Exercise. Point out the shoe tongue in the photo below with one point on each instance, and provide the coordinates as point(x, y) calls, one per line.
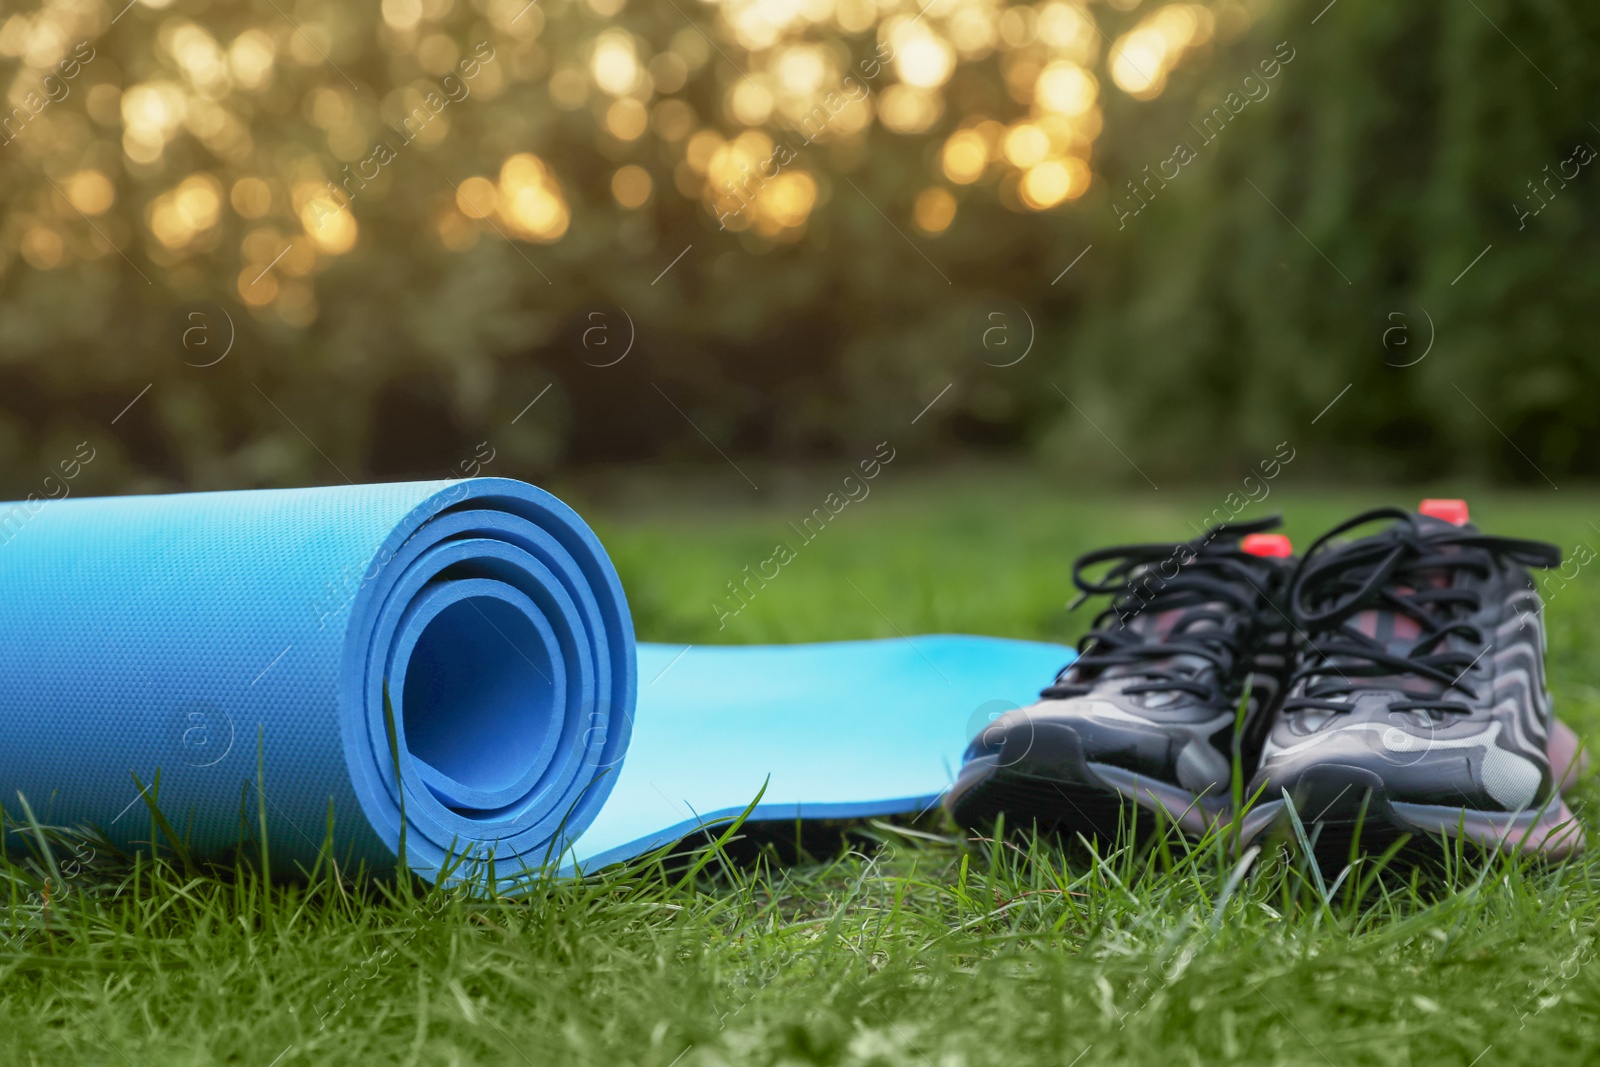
point(1162, 626)
point(1159, 627)
point(1397, 631)
point(1394, 631)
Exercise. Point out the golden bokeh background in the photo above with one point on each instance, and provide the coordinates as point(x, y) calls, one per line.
point(244, 141)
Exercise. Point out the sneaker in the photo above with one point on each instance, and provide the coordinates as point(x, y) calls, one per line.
point(1418, 704)
point(1147, 716)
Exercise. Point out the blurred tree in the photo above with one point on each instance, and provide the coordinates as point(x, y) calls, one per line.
point(1409, 214)
point(351, 240)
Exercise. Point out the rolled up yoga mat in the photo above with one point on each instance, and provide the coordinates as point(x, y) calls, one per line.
point(447, 667)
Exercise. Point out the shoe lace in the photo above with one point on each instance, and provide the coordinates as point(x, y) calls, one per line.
point(1408, 569)
point(1175, 633)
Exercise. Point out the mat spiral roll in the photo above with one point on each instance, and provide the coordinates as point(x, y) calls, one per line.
point(198, 633)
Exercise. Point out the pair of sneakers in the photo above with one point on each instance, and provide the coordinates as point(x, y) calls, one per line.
point(1381, 685)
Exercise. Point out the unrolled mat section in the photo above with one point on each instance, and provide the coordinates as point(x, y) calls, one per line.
point(447, 667)
point(841, 730)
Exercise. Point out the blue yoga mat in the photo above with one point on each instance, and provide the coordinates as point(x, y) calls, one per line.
point(230, 639)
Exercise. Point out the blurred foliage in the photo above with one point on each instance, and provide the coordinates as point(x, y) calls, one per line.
point(1147, 240)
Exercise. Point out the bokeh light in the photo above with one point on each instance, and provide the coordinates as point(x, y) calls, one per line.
point(1026, 144)
point(91, 192)
point(934, 210)
point(615, 63)
point(966, 154)
point(477, 197)
point(530, 199)
point(187, 212)
point(1142, 58)
point(631, 186)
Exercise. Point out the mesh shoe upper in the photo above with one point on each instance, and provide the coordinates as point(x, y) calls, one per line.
point(1157, 682)
point(1421, 668)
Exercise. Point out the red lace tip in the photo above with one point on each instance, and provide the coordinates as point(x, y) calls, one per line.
point(1452, 511)
point(1275, 546)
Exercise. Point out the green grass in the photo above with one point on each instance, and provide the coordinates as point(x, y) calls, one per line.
point(924, 949)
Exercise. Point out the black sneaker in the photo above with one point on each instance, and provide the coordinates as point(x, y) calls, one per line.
point(1145, 716)
point(1419, 704)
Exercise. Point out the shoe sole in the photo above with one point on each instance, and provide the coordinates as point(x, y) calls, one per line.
point(1044, 780)
point(1330, 805)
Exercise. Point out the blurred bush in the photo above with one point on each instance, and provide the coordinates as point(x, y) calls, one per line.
point(1146, 241)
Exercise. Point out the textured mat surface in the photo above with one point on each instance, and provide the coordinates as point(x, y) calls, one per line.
point(226, 638)
point(837, 730)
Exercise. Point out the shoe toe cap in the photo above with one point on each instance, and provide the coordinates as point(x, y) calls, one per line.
point(1100, 731)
